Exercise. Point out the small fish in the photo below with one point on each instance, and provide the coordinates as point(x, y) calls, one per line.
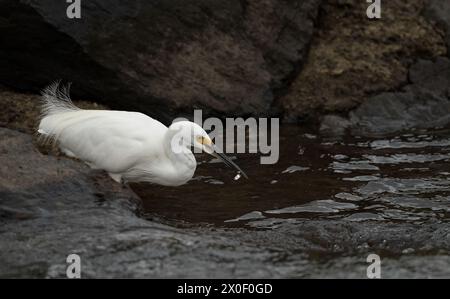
point(238, 176)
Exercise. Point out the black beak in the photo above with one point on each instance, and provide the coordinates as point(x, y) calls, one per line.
point(225, 159)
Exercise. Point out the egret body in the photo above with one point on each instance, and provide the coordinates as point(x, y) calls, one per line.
point(130, 146)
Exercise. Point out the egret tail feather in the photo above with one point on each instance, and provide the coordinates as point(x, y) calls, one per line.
point(56, 99)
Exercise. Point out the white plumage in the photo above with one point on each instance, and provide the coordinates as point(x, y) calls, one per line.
point(130, 146)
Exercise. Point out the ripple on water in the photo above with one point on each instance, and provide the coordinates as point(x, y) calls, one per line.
point(348, 196)
point(318, 206)
point(398, 143)
point(364, 216)
point(214, 182)
point(433, 204)
point(353, 165)
point(249, 216)
point(362, 178)
point(271, 223)
point(406, 158)
point(294, 168)
point(397, 185)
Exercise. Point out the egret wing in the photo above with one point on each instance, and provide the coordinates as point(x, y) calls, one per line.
point(111, 140)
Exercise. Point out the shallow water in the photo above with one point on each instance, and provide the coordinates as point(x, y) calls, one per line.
point(402, 178)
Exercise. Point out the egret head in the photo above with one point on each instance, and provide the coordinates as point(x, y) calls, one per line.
point(190, 134)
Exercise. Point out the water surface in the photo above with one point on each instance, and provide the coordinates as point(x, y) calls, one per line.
point(400, 178)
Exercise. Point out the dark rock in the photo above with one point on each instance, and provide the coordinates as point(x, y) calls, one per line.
point(439, 11)
point(333, 125)
point(388, 113)
point(425, 103)
point(431, 76)
point(156, 56)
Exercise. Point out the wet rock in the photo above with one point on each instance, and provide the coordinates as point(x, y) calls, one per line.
point(333, 125)
point(425, 103)
point(388, 113)
point(159, 57)
point(363, 217)
point(439, 11)
point(393, 268)
point(351, 240)
point(430, 76)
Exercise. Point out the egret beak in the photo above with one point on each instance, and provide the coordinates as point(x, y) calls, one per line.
point(225, 159)
point(210, 148)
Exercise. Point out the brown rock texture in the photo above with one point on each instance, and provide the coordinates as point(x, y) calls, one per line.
point(353, 57)
point(21, 111)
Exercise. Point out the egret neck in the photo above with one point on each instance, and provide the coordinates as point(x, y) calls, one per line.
point(178, 152)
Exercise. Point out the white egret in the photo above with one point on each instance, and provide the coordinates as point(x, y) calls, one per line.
point(130, 146)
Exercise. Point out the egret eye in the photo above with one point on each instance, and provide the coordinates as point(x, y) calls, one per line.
point(199, 139)
point(203, 140)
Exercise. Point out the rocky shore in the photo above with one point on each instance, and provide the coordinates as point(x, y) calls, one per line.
point(52, 207)
point(318, 62)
